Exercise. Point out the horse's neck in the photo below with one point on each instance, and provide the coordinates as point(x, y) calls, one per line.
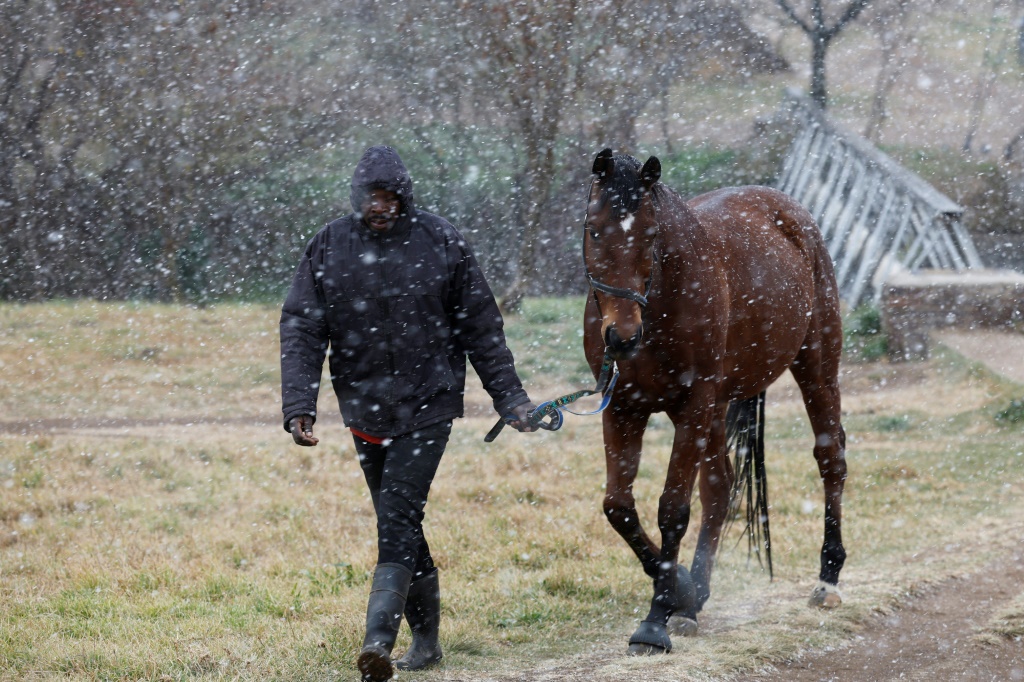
point(682, 244)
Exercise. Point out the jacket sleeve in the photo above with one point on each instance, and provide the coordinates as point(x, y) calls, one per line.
point(478, 329)
point(304, 337)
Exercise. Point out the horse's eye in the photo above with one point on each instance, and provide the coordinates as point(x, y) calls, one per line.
point(593, 233)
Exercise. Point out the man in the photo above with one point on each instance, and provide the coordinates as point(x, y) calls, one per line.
point(398, 297)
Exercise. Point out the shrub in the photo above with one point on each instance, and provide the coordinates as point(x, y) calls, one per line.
point(863, 339)
point(1012, 413)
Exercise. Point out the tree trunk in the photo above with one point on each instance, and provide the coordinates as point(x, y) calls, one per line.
point(821, 34)
point(888, 74)
point(538, 102)
point(534, 199)
point(1011, 146)
point(819, 92)
point(986, 79)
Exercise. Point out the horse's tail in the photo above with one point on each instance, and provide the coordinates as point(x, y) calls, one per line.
point(745, 431)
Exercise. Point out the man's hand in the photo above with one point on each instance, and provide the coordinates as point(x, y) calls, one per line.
point(522, 417)
point(302, 430)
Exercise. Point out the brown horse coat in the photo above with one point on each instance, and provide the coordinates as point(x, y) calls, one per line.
point(739, 288)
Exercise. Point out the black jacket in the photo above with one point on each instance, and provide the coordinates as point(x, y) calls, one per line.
point(400, 312)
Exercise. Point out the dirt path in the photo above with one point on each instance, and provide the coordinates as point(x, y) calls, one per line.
point(931, 637)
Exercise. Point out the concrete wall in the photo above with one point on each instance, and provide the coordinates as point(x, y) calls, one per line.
point(912, 305)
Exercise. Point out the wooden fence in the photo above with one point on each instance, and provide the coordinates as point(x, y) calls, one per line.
point(877, 217)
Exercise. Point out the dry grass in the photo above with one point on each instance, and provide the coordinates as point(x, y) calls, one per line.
point(177, 534)
point(91, 361)
point(1008, 622)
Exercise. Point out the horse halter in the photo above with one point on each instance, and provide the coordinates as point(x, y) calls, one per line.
point(616, 291)
point(597, 285)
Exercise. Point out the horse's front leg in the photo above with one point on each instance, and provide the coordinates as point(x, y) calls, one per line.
point(623, 440)
point(673, 589)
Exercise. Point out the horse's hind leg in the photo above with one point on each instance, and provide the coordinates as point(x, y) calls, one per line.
point(816, 372)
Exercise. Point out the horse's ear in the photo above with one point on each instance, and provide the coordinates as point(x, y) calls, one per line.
point(650, 173)
point(603, 163)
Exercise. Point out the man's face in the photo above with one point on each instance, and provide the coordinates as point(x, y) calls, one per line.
point(380, 209)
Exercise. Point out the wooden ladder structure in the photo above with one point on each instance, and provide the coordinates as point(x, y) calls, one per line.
point(877, 217)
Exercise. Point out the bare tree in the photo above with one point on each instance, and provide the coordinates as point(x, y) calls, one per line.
point(997, 45)
point(524, 66)
point(632, 54)
point(48, 72)
point(813, 21)
point(124, 130)
point(153, 152)
point(628, 56)
point(895, 28)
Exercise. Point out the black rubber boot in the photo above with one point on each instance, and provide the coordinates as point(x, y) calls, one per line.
point(383, 616)
point(423, 613)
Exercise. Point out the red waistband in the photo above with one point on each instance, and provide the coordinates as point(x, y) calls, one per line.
point(367, 437)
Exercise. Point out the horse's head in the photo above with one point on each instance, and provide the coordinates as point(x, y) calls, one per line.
point(618, 245)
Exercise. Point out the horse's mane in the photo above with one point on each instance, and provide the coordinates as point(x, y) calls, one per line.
point(623, 190)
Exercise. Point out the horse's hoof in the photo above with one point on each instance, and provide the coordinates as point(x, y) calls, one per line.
point(686, 594)
point(681, 626)
point(650, 638)
point(645, 650)
point(825, 596)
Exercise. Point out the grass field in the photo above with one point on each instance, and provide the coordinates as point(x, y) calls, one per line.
point(157, 523)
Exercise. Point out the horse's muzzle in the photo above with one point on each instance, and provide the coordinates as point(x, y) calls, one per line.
point(620, 348)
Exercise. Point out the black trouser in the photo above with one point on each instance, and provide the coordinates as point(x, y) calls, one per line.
point(399, 473)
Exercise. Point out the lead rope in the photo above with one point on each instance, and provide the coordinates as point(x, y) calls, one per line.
point(552, 409)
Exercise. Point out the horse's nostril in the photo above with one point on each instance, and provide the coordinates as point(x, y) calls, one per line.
point(620, 345)
point(612, 338)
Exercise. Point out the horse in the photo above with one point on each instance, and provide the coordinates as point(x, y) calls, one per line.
point(702, 304)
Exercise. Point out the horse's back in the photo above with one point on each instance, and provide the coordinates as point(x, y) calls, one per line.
point(769, 250)
point(741, 218)
point(764, 241)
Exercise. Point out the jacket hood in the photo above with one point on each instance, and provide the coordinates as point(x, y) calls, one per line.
point(381, 168)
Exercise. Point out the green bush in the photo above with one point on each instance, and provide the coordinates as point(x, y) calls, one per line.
point(693, 171)
point(863, 339)
point(1012, 413)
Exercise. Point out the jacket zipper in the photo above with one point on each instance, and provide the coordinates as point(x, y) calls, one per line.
point(387, 326)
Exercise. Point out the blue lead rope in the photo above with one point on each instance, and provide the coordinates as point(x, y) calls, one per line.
point(552, 409)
